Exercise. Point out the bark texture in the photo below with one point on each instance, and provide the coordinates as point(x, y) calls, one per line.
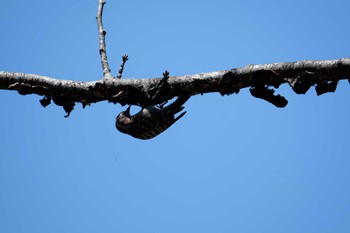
point(261, 79)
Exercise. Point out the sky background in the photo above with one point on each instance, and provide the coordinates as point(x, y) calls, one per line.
point(231, 164)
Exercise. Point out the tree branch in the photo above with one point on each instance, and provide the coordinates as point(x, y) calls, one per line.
point(102, 44)
point(260, 79)
point(125, 58)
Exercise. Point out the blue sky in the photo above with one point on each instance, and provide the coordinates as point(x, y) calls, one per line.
point(231, 164)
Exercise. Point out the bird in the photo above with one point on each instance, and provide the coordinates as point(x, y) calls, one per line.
point(150, 121)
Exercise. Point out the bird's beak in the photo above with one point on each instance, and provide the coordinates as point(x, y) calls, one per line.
point(128, 110)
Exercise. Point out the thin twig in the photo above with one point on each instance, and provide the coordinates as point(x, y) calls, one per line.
point(121, 69)
point(102, 44)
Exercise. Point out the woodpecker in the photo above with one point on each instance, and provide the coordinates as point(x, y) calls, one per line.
point(151, 120)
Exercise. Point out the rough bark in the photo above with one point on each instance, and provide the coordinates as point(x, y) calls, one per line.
point(261, 79)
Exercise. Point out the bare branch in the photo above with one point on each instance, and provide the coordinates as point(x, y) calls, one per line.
point(299, 75)
point(102, 44)
point(121, 69)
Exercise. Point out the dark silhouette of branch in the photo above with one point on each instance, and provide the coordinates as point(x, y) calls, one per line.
point(262, 80)
point(299, 75)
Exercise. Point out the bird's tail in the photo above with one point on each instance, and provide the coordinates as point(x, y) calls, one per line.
point(176, 106)
point(179, 116)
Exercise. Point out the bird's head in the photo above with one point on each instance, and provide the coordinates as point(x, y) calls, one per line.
point(123, 121)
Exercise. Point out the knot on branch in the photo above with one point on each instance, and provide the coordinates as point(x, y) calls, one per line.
point(45, 101)
point(323, 87)
point(229, 84)
point(302, 82)
point(327, 83)
point(65, 101)
point(261, 80)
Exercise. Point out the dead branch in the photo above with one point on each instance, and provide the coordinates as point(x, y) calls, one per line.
point(102, 44)
point(300, 75)
point(262, 81)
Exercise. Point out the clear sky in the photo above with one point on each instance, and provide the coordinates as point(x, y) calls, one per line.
point(231, 164)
